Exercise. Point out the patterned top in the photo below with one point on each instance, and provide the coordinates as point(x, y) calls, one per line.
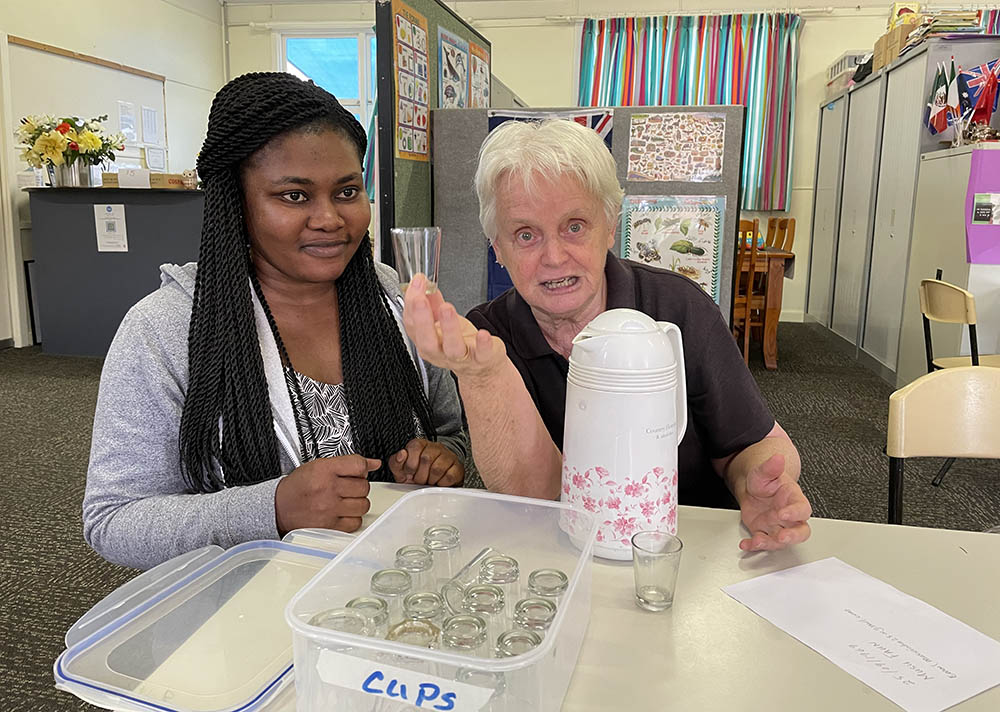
point(326, 404)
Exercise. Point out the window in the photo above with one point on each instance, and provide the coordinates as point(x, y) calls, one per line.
point(342, 63)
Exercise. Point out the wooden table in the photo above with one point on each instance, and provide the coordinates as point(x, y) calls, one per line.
point(710, 653)
point(771, 261)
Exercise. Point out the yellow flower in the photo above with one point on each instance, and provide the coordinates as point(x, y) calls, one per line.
point(50, 147)
point(31, 158)
point(88, 142)
point(71, 135)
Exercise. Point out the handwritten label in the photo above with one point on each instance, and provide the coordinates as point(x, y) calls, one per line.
point(419, 689)
point(917, 656)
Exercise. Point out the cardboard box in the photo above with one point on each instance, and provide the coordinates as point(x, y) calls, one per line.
point(172, 181)
point(897, 40)
point(878, 58)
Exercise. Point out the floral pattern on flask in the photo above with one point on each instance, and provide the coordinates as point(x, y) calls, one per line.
point(634, 503)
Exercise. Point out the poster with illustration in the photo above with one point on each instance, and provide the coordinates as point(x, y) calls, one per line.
point(453, 71)
point(410, 73)
point(682, 233)
point(674, 146)
point(479, 97)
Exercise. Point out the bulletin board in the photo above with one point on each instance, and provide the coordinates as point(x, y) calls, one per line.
point(427, 57)
point(696, 197)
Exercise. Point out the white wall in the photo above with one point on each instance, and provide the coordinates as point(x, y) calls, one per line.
point(179, 39)
point(536, 49)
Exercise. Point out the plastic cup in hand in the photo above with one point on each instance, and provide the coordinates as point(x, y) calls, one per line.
point(417, 249)
point(656, 558)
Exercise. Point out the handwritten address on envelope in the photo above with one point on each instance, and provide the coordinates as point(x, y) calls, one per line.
point(912, 653)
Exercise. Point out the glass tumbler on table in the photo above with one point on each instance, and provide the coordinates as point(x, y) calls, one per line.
point(656, 558)
point(417, 249)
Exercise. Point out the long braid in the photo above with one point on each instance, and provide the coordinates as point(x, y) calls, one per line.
point(227, 419)
point(371, 343)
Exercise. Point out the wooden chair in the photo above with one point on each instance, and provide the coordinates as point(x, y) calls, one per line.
point(948, 413)
point(781, 233)
point(749, 302)
point(947, 303)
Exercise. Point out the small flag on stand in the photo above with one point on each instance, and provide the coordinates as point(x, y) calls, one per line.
point(936, 114)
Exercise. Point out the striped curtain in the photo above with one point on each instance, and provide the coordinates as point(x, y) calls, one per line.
point(748, 59)
point(990, 21)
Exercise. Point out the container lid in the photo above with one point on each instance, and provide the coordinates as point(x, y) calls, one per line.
point(204, 632)
point(624, 340)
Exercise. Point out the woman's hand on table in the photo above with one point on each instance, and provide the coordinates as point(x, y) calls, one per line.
point(423, 462)
point(446, 339)
point(328, 493)
point(773, 507)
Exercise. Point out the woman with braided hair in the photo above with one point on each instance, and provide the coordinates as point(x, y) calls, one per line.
point(260, 390)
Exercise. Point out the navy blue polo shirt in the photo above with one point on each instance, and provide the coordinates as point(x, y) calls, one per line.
point(726, 411)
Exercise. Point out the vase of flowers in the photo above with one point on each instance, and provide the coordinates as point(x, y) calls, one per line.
point(67, 146)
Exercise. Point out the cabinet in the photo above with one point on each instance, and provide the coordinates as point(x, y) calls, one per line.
point(865, 197)
point(861, 160)
point(826, 209)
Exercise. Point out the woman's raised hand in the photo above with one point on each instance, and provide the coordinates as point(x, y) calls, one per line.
point(446, 339)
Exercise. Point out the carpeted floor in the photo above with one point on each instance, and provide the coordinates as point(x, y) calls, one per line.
point(834, 410)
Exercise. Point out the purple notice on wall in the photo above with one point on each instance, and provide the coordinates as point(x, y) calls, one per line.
point(982, 208)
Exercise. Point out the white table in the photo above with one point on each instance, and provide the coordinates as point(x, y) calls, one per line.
point(711, 653)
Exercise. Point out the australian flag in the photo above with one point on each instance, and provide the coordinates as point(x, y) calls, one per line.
point(976, 80)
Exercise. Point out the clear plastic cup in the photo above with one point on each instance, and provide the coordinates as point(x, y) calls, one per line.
point(445, 543)
point(377, 611)
point(487, 601)
point(516, 642)
point(465, 634)
point(424, 606)
point(503, 571)
point(392, 585)
point(344, 620)
point(550, 584)
point(535, 615)
point(422, 634)
point(418, 562)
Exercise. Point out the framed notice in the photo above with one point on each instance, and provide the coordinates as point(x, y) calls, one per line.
point(410, 73)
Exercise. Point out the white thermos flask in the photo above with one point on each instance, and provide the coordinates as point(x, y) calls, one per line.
point(626, 412)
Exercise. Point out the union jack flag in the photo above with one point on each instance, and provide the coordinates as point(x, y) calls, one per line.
point(601, 121)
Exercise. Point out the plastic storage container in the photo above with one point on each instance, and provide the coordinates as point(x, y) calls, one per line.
point(203, 632)
point(340, 671)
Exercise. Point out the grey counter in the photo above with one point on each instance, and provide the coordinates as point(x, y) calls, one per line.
point(81, 294)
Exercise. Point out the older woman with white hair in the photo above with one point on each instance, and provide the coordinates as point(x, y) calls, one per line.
point(549, 202)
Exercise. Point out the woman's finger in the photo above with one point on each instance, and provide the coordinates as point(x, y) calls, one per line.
point(453, 342)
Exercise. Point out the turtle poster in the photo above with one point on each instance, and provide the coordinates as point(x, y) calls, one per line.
point(681, 233)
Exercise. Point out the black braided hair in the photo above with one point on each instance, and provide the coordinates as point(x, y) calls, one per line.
point(226, 419)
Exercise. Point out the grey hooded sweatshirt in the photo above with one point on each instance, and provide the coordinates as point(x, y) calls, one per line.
point(137, 510)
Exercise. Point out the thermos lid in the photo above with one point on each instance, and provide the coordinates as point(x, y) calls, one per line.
point(623, 340)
